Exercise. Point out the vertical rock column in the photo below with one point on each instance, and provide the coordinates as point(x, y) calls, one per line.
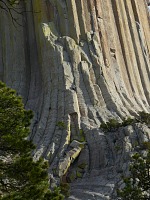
point(77, 63)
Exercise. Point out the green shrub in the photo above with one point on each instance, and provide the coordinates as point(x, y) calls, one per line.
point(117, 148)
point(61, 125)
point(128, 121)
point(112, 125)
point(146, 145)
point(144, 117)
point(65, 189)
point(137, 184)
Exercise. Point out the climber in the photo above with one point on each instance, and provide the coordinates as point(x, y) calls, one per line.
point(149, 7)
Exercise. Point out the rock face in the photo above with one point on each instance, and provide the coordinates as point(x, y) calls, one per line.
point(78, 63)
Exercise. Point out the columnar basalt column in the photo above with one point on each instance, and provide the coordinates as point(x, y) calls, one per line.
point(78, 63)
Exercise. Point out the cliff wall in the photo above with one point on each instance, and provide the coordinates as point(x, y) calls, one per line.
point(78, 63)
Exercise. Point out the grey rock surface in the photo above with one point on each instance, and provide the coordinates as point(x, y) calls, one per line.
point(78, 63)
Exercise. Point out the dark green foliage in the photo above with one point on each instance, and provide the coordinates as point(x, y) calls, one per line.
point(144, 117)
point(20, 177)
point(14, 123)
point(145, 145)
point(61, 125)
point(137, 185)
point(65, 189)
point(128, 121)
point(55, 195)
point(112, 125)
point(28, 178)
point(117, 148)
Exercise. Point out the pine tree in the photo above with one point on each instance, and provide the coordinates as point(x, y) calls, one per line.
point(21, 178)
point(137, 184)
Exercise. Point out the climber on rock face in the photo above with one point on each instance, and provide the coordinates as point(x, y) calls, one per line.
point(149, 7)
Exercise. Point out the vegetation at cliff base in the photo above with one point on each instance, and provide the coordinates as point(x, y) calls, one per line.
point(137, 184)
point(21, 178)
point(113, 124)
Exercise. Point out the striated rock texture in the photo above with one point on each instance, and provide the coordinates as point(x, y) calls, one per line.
point(77, 63)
